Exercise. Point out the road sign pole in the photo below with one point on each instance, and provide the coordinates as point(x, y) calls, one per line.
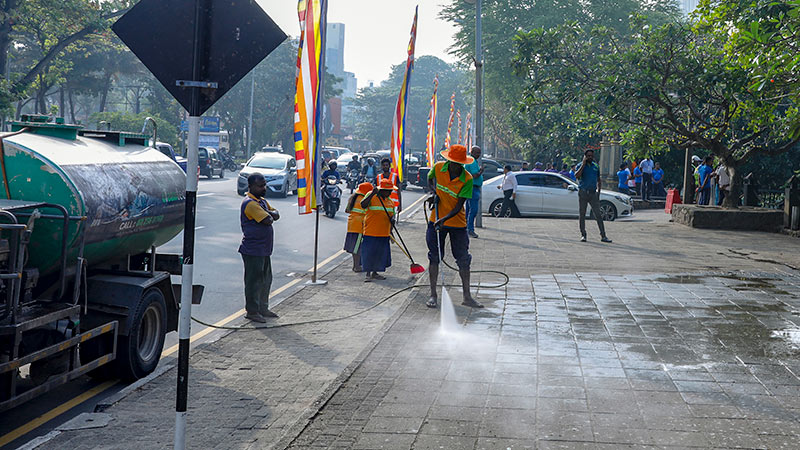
point(187, 275)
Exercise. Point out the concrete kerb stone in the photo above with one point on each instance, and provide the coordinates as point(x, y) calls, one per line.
point(308, 415)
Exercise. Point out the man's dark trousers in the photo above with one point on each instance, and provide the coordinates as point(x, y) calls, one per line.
point(508, 202)
point(257, 283)
point(647, 186)
point(590, 198)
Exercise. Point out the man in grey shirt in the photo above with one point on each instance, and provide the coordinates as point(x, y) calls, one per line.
point(647, 178)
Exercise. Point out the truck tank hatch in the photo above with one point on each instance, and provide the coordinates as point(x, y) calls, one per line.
point(120, 138)
point(46, 126)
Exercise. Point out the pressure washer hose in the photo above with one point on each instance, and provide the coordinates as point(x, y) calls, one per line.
point(394, 294)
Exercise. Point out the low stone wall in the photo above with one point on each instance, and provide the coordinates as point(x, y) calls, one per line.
point(742, 218)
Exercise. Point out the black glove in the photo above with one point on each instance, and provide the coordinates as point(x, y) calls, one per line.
point(433, 199)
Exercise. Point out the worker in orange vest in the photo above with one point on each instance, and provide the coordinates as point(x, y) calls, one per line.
point(355, 224)
point(387, 174)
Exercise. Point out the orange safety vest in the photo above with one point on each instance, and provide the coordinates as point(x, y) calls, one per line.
point(395, 196)
point(355, 222)
point(376, 219)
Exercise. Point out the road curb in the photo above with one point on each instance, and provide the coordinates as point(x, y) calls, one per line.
point(312, 411)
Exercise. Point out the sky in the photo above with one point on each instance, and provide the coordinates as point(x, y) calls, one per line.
point(376, 32)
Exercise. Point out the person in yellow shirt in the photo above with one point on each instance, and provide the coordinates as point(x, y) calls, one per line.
point(376, 255)
point(451, 186)
point(355, 224)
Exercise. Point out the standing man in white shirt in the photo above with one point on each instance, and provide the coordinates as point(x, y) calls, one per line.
point(647, 178)
point(509, 188)
point(724, 182)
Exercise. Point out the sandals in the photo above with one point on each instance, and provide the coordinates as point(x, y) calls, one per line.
point(472, 303)
point(432, 302)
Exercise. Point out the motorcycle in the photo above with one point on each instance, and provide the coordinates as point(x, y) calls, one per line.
point(227, 162)
point(353, 178)
point(331, 196)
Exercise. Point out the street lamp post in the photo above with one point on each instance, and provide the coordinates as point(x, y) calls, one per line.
point(478, 92)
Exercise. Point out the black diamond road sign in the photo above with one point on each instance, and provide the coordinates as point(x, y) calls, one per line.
point(235, 35)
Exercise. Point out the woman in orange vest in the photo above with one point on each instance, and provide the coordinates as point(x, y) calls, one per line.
point(355, 224)
point(387, 174)
point(376, 255)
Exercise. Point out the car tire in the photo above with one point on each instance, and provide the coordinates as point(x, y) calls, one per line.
point(284, 191)
point(607, 211)
point(496, 207)
point(241, 193)
point(222, 173)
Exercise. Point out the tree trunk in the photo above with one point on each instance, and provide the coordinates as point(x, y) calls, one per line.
point(61, 107)
point(104, 94)
point(732, 200)
point(6, 27)
point(71, 105)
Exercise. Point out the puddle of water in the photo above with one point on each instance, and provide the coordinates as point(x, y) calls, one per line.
point(681, 279)
point(790, 335)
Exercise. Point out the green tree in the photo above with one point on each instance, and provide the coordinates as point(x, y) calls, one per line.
point(121, 121)
point(671, 86)
point(529, 133)
point(375, 106)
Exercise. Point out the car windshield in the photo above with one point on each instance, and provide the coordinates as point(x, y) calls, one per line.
point(267, 162)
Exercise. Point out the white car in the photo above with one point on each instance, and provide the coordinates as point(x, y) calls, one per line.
point(551, 194)
point(279, 170)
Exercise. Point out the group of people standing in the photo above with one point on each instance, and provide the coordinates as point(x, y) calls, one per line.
point(710, 181)
point(646, 180)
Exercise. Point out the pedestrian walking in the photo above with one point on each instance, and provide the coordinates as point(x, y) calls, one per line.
point(705, 173)
point(256, 217)
point(376, 256)
point(589, 185)
point(475, 168)
point(355, 224)
point(452, 187)
point(623, 175)
point(647, 178)
point(509, 188)
point(724, 182)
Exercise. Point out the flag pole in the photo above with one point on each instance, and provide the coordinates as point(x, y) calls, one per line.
point(319, 126)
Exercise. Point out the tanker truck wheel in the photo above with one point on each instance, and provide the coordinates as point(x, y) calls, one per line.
point(139, 352)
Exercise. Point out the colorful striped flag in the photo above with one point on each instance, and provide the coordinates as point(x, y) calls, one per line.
point(398, 139)
point(460, 135)
point(430, 149)
point(468, 132)
point(450, 120)
point(307, 99)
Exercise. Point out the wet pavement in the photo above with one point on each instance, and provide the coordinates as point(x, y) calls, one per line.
point(584, 360)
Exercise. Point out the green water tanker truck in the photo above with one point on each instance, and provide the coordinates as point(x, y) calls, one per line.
point(82, 289)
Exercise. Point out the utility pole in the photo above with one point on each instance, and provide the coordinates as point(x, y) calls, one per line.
point(250, 121)
point(479, 94)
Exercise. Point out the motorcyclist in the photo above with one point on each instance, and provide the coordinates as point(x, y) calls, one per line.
point(370, 171)
point(331, 172)
point(354, 164)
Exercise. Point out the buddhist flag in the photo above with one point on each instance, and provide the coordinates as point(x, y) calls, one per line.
point(430, 149)
point(398, 139)
point(450, 120)
point(458, 118)
point(307, 99)
point(468, 132)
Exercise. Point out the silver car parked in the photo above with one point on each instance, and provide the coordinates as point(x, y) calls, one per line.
point(551, 194)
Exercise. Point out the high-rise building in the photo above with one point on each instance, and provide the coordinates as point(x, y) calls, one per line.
point(687, 6)
point(348, 84)
point(334, 49)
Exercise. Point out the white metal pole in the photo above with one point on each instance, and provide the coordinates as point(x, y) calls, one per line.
point(187, 275)
point(250, 120)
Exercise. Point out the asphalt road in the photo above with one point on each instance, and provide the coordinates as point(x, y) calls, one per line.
point(218, 267)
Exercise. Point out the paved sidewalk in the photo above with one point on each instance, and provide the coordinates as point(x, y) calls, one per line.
point(248, 389)
point(591, 345)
